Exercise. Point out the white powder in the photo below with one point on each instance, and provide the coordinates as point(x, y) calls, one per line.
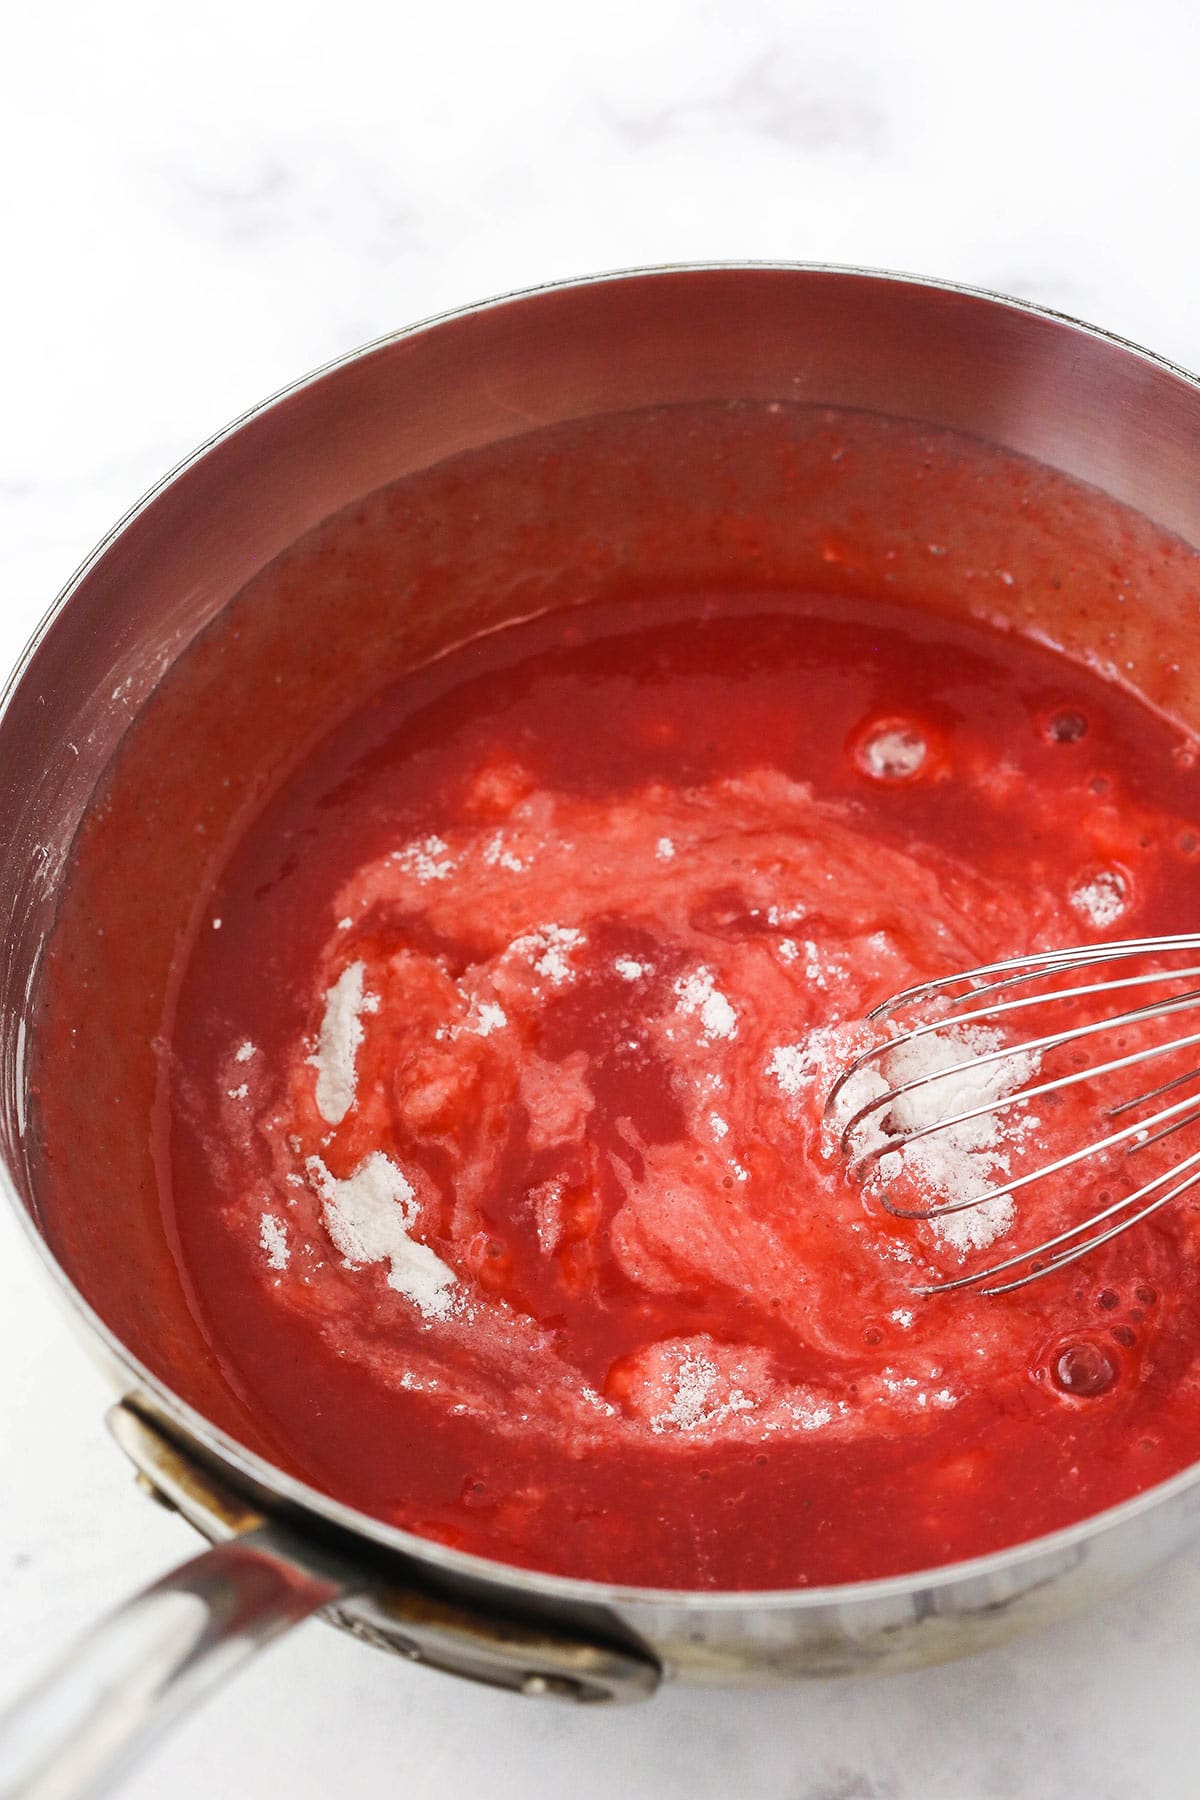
point(246, 1051)
point(962, 1161)
point(818, 968)
point(546, 947)
point(902, 1317)
point(791, 1066)
point(788, 951)
point(718, 1126)
point(496, 856)
point(694, 1401)
point(630, 969)
point(698, 993)
point(369, 1216)
point(693, 1385)
point(337, 1045)
point(664, 849)
point(485, 1017)
point(809, 1416)
point(899, 1384)
point(797, 1066)
point(427, 859)
point(272, 1235)
point(1102, 900)
point(239, 1093)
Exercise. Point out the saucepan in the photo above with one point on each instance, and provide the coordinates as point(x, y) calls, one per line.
point(1005, 373)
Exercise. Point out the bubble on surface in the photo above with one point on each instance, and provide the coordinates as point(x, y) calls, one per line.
point(1066, 726)
point(892, 750)
point(1083, 1370)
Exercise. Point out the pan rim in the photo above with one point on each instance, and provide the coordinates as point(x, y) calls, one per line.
point(375, 1534)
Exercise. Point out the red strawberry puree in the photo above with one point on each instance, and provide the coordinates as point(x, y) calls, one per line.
point(498, 1071)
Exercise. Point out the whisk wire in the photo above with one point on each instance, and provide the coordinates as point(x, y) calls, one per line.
point(987, 1108)
point(980, 1276)
point(958, 1000)
point(1041, 963)
point(1015, 1186)
point(930, 1028)
point(1154, 1093)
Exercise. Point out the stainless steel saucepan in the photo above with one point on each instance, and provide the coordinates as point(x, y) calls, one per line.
point(1013, 376)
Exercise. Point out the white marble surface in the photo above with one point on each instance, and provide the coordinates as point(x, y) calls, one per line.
point(199, 203)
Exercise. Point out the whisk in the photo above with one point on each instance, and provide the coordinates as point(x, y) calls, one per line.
point(1001, 1075)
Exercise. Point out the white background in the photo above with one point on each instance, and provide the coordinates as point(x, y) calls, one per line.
point(197, 204)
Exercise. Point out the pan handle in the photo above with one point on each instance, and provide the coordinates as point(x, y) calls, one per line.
point(74, 1733)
